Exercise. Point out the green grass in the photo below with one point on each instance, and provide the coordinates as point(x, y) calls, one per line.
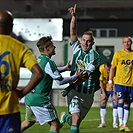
point(88, 125)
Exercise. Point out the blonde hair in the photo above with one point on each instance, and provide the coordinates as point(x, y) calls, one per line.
point(89, 33)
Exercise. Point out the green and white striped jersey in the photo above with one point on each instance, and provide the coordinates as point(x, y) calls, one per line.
point(40, 96)
point(80, 62)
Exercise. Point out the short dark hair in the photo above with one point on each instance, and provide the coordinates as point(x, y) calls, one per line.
point(6, 22)
point(108, 64)
point(43, 41)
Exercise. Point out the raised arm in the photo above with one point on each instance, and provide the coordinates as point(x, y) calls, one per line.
point(73, 24)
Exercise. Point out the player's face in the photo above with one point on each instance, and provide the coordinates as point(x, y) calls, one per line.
point(107, 68)
point(127, 43)
point(52, 49)
point(86, 42)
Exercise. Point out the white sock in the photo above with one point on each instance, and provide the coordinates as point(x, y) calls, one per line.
point(103, 115)
point(125, 118)
point(115, 115)
point(120, 115)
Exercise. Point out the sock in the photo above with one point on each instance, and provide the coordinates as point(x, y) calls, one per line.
point(120, 113)
point(103, 114)
point(126, 115)
point(68, 120)
point(115, 115)
point(74, 129)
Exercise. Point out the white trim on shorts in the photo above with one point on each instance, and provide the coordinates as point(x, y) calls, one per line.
point(79, 102)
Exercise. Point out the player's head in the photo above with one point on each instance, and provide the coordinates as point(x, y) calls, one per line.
point(107, 66)
point(45, 45)
point(87, 41)
point(127, 42)
point(6, 22)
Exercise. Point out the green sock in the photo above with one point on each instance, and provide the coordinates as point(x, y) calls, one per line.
point(51, 131)
point(74, 129)
point(68, 120)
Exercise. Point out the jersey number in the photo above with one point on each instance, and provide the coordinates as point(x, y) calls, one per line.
point(4, 63)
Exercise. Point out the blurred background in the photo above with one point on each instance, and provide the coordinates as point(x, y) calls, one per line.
point(92, 14)
point(109, 20)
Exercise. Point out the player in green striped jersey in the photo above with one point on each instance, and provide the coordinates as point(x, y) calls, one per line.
point(85, 58)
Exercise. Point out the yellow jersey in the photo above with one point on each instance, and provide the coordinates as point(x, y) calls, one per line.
point(104, 76)
point(13, 55)
point(123, 61)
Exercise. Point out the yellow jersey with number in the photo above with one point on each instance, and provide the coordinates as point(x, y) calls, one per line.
point(13, 55)
point(123, 61)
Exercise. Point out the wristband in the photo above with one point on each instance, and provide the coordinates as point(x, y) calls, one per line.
point(110, 82)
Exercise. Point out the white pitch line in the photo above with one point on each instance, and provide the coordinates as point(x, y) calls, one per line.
point(95, 120)
point(92, 120)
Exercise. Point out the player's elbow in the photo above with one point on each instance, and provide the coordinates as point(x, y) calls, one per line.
point(40, 75)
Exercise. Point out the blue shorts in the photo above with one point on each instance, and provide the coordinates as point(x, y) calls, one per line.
point(124, 92)
point(10, 123)
point(108, 94)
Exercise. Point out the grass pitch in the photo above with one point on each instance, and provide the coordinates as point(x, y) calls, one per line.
point(88, 125)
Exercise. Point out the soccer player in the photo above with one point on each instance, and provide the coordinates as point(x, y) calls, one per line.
point(105, 94)
point(85, 58)
point(13, 55)
point(122, 69)
point(38, 102)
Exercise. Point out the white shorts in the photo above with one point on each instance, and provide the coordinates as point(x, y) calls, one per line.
point(44, 114)
point(79, 102)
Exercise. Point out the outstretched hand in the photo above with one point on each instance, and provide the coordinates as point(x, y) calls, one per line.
point(72, 10)
point(82, 75)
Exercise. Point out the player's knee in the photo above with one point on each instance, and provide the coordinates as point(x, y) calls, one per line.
point(103, 103)
point(29, 123)
point(55, 125)
point(26, 124)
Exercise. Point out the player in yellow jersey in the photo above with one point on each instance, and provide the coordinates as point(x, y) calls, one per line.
point(122, 69)
point(13, 55)
point(105, 94)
